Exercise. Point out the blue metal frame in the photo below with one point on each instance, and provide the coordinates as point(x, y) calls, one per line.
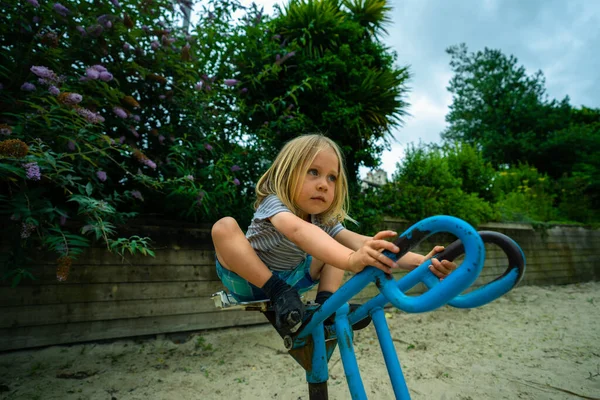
point(470, 242)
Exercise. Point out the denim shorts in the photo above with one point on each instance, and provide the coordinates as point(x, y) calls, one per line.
point(299, 278)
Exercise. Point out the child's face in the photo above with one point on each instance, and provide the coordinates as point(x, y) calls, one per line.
point(318, 186)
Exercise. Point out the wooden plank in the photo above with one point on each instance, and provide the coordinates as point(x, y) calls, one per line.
point(34, 336)
point(46, 275)
point(83, 293)
point(13, 317)
point(164, 256)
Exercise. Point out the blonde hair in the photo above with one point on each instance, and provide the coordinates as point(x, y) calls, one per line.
point(289, 169)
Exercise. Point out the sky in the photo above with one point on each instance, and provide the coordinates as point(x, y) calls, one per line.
point(559, 37)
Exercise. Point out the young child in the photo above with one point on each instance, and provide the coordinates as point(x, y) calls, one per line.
point(296, 238)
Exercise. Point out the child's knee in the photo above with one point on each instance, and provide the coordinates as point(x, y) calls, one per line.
point(224, 228)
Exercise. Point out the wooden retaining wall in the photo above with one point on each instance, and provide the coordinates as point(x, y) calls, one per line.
point(107, 297)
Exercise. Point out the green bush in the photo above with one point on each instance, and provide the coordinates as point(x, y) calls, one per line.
point(525, 195)
point(429, 181)
point(110, 109)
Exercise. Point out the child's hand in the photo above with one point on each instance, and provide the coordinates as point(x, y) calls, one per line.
point(371, 254)
point(440, 269)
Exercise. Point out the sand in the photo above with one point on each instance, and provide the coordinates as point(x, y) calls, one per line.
point(533, 343)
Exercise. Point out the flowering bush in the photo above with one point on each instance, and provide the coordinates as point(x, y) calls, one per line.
point(109, 109)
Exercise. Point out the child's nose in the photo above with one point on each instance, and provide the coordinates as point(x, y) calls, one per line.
point(322, 185)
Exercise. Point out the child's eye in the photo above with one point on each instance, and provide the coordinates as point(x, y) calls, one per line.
point(313, 172)
point(332, 178)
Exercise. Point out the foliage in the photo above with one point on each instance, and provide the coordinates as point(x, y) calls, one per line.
point(319, 66)
point(426, 184)
point(109, 110)
point(505, 114)
point(525, 195)
point(495, 105)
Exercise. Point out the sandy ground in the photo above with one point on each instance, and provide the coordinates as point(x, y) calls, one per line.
point(534, 343)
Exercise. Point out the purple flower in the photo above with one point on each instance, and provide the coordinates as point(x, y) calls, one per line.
point(236, 182)
point(137, 195)
point(101, 175)
point(134, 132)
point(208, 147)
point(155, 45)
point(91, 117)
point(231, 82)
point(126, 47)
point(162, 97)
point(244, 90)
point(34, 3)
point(105, 21)
point(120, 112)
point(54, 90)
point(190, 177)
point(44, 73)
point(91, 73)
point(73, 98)
point(122, 139)
point(161, 139)
point(116, 3)
point(135, 117)
point(62, 10)
point(200, 160)
point(81, 30)
point(235, 168)
point(149, 163)
point(167, 41)
point(28, 87)
point(95, 30)
point(99, 68)
point(199, 198)
point(71, 145)
point(199, 85)
point(106, 76)
point(32, 171)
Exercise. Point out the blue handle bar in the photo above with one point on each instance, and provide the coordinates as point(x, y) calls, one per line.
point(450, 287)
point(392, 291)
point(494, 289)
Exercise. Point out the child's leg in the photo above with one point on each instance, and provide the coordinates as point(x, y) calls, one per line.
point(330, 281)
point(235, 253)
point(330, 278)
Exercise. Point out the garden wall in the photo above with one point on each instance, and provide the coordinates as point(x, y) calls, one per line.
point(106, 297)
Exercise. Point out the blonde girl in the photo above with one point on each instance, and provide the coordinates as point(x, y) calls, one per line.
point(296, 239)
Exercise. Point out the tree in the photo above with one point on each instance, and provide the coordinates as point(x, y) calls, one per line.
point(319, 66)
point(497, 107)
point(506, 115)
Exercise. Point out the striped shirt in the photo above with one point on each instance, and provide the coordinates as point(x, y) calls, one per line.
point(272, 247)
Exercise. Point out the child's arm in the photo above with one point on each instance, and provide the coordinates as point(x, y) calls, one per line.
point(409, 261)
point(320, 245)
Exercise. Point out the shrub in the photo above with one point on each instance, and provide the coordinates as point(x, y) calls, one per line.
point(109, 110)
